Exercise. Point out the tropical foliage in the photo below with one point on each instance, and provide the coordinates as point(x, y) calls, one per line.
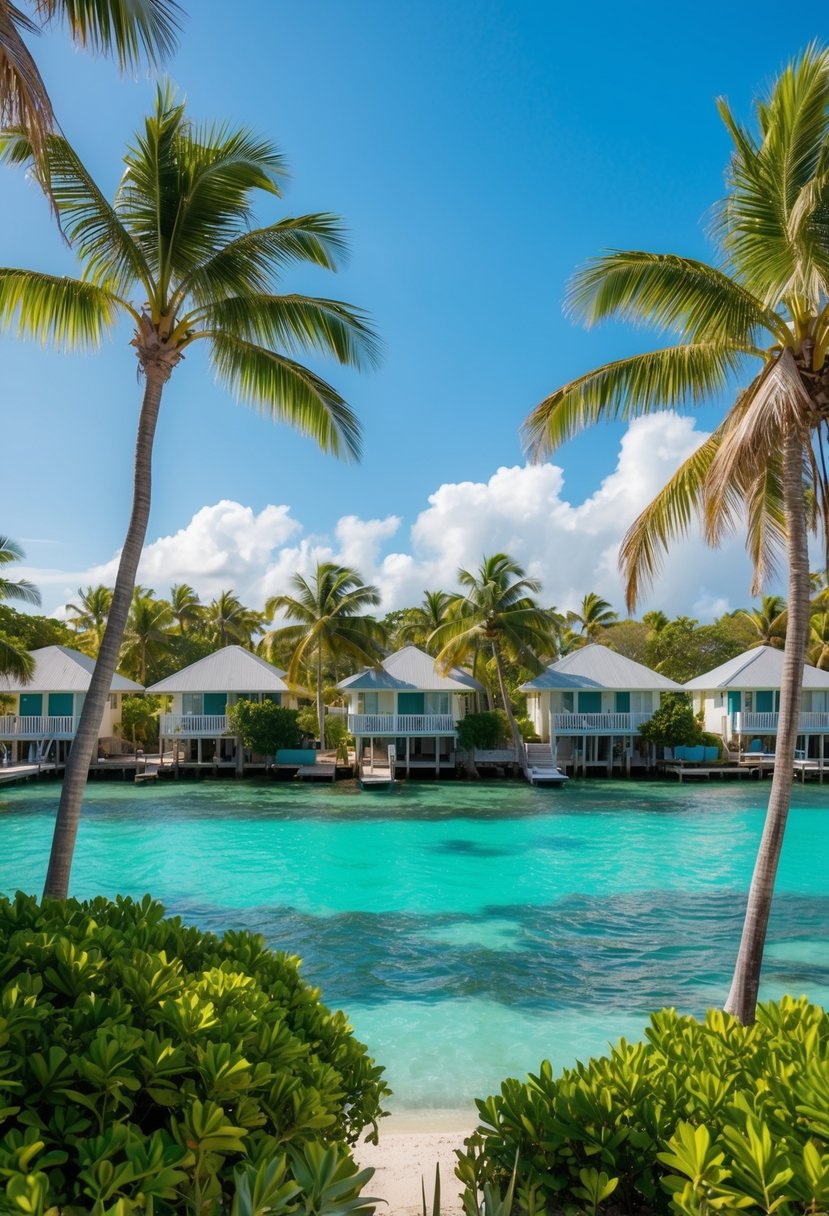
point(179, 256)
point(14, 660)
point(145, 1061)
point(264, 726)
point(702, 1117)
point(760, 313)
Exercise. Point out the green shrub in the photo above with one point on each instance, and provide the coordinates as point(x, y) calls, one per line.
point(702, 1118)
point(486, 731)
point(673, 724)
point(264, 726)
point(149, 1067)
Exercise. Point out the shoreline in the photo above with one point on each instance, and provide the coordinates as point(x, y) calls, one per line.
point(412, 1143)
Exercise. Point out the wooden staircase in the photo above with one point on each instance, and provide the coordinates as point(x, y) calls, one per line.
point(541, 768)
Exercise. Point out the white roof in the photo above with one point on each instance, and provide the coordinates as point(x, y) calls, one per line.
point(760, 667)
point(410, 668)
point(59, 669)
point(232, 669)
point(598, 666)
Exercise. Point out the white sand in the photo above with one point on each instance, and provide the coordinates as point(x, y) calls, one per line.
point(411, 1144)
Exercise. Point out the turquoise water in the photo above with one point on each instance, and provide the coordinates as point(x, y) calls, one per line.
point(468, 930)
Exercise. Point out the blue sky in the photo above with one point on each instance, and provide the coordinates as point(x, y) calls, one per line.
point(479, 152)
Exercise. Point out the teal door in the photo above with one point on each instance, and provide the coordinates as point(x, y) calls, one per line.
point(735, 703)
point(764, 702)
point(411, 703)
point(31, 704)
point(590, 702)
point(215, 702)
point(60, 705)
point(622, 702)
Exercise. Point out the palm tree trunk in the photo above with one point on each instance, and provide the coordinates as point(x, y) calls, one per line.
point(516, 733)
point(320, 702)
point(742, 999)
point(86, 739)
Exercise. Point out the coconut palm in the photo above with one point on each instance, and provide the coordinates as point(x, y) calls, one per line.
point(129, 30)
point(818, 652)
point(592, 618)
point(178, 256)
point(769, 621)
point(497, 614)
point(14, 661)
point(89, 616)
point(421, 622)
point(228, 622)
point(760, 314)
point(331, 623)
point(148, 628)
point(186, 607)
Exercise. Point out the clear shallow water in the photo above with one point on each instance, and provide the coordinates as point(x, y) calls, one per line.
point(469, 931)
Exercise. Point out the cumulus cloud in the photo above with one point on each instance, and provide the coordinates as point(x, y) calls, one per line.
point(572, 547)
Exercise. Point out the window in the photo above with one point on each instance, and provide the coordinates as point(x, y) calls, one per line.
point(191, 703)
point(567, 702)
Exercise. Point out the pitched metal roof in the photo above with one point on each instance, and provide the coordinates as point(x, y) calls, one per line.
point(760, 667)
point(232, 669)
point(598, 666)
point(59, 669)
point(407, 669)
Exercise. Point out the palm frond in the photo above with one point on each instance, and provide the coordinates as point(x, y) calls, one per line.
point(298, 323)
point(287, 392)
point(24, 101)
point(669, 292)
point(628, 388)
point(15, 662)
point(19, 589)
point(129, 30)
point(62, 311)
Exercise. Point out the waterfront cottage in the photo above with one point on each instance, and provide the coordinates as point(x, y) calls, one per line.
point(740, 700)
point(589, 706)
point(195, 725)
point(38, 720)
point(406, 704)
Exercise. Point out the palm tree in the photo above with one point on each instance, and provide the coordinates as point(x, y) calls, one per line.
point(187, 609)
point(14, 661)
point(130, 30)
point(332, 622)
point(228, 622)
point(177, 254)
point(497, 614)
point(769, 621)
point(763, 313)
point(818, 652)
point(421, 622)
point(593, 617)
point(146, 633)
point(89, 616)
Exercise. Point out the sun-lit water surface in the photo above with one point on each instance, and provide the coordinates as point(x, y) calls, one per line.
point(468, 930)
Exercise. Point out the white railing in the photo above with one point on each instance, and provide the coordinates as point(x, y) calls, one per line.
point(401, 724)
point(53, 726)
point(193, 725)
point(599, 724)
point(766, 723)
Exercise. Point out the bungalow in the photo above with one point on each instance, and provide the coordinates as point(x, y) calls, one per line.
point(589, 706)
point(740, 700)
point(407, 705)
point(38, 720)
point(196, 723)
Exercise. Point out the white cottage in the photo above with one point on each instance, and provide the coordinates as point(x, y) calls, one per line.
point(409, 705)
point(40, 721)
point(589, 706)
point(740, 700)
point(196, 726)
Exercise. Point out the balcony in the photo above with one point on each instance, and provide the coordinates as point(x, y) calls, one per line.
point(599, 724)
point(766, 723)
point(51, 726)
point(401, 724)
point(193, 726)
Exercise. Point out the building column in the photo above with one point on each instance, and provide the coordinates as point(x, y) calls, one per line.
point(408, 752)
point(437, 756)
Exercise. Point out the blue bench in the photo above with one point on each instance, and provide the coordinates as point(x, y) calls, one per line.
point(296, 756)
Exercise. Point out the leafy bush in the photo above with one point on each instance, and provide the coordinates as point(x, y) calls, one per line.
point(337, 735)
point(308, 722)
point(673, 724)
point(149, 1067)
point(486, 731)
point(264, 726)
point(703, 1118)
point(139, 720)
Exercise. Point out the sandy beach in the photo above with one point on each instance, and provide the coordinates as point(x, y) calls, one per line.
point(411, 1144)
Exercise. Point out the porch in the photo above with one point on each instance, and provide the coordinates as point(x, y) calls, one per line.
point(400, 725)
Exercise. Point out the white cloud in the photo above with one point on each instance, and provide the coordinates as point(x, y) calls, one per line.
point(524, 511)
